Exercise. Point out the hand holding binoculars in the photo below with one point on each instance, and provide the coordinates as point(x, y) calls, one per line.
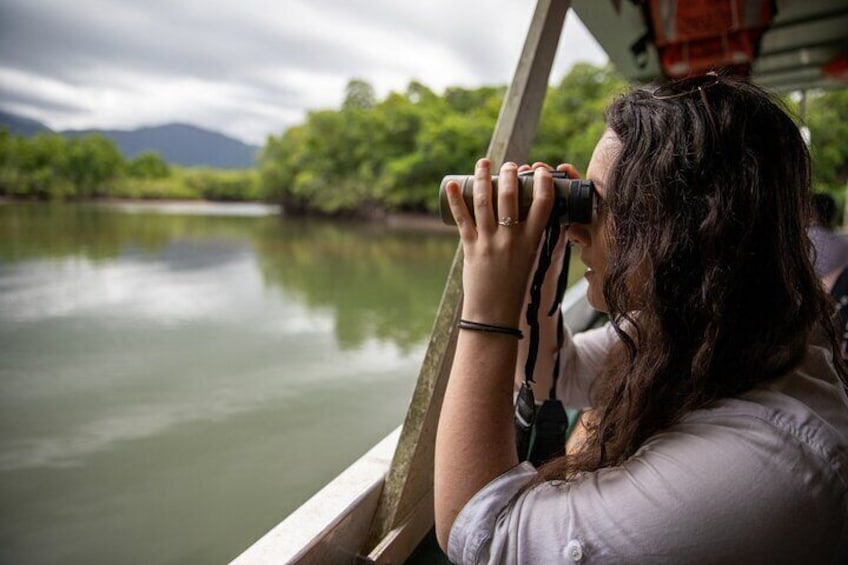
point(573, 203)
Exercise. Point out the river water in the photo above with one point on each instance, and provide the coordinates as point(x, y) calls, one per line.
point(176, 379)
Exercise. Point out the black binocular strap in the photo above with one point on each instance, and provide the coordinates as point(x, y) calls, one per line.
point(542, 439)
point(562, 284)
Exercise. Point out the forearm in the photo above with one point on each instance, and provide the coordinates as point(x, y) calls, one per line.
point(475, 439)
point(475, 442)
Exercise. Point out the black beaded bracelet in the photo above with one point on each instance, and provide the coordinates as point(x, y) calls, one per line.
point(478, 327)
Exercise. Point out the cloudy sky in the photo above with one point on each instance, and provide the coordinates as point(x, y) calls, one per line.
point(250, 68)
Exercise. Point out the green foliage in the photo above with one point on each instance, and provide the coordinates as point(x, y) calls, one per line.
point(148, 165)
point(359, 94)
point(364, 159)
point(213, 184)
point(92, 163)
point(371, 156)
point(827, 118)
point(34, 168)
point(50, 167)
point(573, 115)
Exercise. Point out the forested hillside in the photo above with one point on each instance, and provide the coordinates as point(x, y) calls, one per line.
point(178, 144)
point(372, 156)
point(391, 154)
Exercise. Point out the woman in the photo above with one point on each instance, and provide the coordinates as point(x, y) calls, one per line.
point(720, 421)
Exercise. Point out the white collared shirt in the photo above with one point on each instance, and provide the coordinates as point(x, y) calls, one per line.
point(762, 478)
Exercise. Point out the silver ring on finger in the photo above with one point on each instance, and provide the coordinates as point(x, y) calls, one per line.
point(508, 222)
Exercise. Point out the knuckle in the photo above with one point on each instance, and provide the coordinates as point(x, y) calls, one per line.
point(508, 187)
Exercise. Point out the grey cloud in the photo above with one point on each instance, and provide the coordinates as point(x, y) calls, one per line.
point(37, 100)
point(127, 46)
point(470, 30)
point(60, 42)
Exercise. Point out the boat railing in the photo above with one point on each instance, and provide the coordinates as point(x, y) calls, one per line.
point(333, 525)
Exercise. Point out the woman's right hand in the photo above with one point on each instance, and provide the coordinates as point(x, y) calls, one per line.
point(499, 252)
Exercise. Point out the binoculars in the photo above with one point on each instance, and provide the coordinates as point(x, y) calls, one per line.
point(573, 202)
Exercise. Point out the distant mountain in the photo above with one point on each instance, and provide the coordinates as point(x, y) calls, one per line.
point(178, 144)
point(18, 125)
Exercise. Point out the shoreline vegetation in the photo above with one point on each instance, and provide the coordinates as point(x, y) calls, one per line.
point(410, 221)
point(370, 159)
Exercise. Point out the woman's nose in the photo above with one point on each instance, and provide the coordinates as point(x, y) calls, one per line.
point(577, 233)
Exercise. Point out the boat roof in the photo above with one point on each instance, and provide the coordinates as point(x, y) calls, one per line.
point(803, 36)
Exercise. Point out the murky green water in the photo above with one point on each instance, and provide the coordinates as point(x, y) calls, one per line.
point(173, 384)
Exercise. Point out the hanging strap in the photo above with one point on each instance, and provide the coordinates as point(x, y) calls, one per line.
point(525, 405)
point(549, 241)
point(562, 284)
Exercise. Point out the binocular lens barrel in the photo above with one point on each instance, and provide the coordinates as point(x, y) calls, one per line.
point(573, 202)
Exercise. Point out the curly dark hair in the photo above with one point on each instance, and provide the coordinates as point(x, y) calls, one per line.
point(824, 210)
point(709, 196)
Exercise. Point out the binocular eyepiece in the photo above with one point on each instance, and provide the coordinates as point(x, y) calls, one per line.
point(573, 203)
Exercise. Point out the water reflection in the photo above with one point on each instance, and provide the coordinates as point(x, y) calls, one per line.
point(191, 379)
point(374, 282)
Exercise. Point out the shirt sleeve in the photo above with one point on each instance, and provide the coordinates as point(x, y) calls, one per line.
point(701, 492)
point(581, 360)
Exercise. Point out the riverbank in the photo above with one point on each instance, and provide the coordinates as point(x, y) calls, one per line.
point(424, 222)
point(402, 221)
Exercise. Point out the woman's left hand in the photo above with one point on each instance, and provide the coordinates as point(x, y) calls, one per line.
point(499, 252)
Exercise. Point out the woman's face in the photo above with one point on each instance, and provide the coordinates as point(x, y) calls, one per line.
point(593, 238)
